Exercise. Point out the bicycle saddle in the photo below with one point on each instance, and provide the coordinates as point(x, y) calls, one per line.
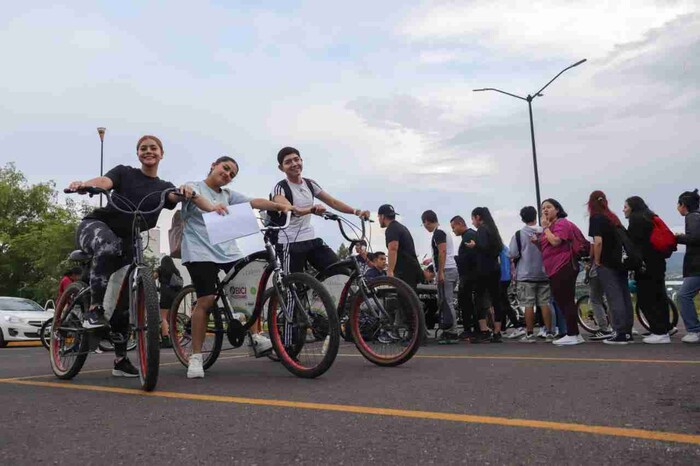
point(79, 256)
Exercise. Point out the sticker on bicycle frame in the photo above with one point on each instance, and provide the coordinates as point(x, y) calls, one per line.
point(242, 291)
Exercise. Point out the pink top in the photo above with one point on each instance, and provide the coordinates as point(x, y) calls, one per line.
point(555, 258)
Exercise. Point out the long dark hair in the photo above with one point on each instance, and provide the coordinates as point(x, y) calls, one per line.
point(485, 215)
point(598, 205)
point(639, 207)
point(167, 266)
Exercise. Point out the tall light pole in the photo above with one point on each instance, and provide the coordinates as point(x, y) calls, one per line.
point(529, 99)
point(101, 131)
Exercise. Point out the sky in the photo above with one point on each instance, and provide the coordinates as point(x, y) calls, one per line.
point(377, 96)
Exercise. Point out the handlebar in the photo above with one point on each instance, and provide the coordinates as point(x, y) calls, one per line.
point(94, 190)
point(279, 228)
point(337, 218)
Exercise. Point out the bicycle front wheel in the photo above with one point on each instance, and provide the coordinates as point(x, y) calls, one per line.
point(585, 314)
point(147, 330)
point(303, 326)
point(388, 324)
point(69, 343)
point(672, 315)
point(180, 324)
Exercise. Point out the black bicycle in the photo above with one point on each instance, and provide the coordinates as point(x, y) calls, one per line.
point(138, 299)
point(383, 316)
point(301, 317)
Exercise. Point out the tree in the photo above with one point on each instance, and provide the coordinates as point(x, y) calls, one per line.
point(36, 236)
point(343, 251)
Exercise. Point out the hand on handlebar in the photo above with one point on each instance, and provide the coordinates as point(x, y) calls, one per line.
point(186, 191)
point(318, 209)
point(364, 214)
point(75, 186)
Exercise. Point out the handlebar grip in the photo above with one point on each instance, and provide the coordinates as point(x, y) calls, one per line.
point(86, 189)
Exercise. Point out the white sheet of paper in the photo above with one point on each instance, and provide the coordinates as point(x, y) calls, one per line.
point(239, 222)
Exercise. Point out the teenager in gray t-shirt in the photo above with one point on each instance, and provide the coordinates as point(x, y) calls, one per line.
point(298, 244)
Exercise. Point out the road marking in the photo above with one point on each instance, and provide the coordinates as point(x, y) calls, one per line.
point(440, 416)
point(543, 358)
point(97, 371)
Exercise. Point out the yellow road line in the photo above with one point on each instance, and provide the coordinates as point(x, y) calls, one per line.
point(97, 371)
point(440, 416)
point(543, 358)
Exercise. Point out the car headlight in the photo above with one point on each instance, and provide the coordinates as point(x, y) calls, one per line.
point(13, 319)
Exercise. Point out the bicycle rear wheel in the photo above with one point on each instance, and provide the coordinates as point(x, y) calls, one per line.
point(45, 334)
point(306, 341)
point(147, 330)
point(388, 325)
point(180, 323)
point(585, 315)
point(672, 315)
point(69, 343)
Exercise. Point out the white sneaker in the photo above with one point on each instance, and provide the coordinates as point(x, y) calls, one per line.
point(657, 339)
point(516, 333)
point(542, 333)
point(195, 369)
point(692, 337)
point(568, 340)
point(260, 342)
point(528, 339)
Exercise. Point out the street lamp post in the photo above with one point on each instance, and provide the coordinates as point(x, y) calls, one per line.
point(529, 99)
point(101, 131)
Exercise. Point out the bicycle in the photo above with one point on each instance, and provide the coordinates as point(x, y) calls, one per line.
point(383, 314)
point(71, 343)
point(586, 316)
point(301, 317)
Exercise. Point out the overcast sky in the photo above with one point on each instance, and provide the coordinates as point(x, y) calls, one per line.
point(377, 96)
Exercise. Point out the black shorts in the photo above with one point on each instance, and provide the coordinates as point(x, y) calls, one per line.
point(203, 275)
point(167, 296)
point(294, 256)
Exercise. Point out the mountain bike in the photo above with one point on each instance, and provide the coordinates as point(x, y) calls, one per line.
point(138, 301)
point(301, 317)
point(382, 315)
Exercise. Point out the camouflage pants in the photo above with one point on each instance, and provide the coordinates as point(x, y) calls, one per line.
point(97, 239)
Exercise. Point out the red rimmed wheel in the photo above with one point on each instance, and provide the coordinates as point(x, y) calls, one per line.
point(68, 345)
point(147, 330)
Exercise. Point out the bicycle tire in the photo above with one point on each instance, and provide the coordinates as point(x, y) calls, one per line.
point(271, 355)
point(45, 334)
point(343, 306)
point(179, 318)
point(645, 323)
point(367, 341)
point(585, 315)
point(147, 330)
point(297, 356)
point(74, 344)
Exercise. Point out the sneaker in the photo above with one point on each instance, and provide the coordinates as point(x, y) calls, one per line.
point(569, 340)
point(195, 370)
point(124, 368)
point(692, 337)
point(385, 338)
point(673, 331)
point(95, 318)
point(635, 332)
point(619, 339)
point(549, 337)
point(657, 339)
point(165, 342)
point(496, 338)
point(481, 337)
point(528, 338)
point(448, 338)
point(542, 333)
point(259, 343)
point(466, 335)
point(600, 335)
point(516, 333)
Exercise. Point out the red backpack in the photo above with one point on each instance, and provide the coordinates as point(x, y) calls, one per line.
point(580, 245)
point(662, 238)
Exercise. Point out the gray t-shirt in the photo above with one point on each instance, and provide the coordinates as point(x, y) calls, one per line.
point(300, 228)
point(530, 266)
point(196, 246)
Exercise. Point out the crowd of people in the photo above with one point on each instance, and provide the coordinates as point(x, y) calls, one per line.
point(544, 259)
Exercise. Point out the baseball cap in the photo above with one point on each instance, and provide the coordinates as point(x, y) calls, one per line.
point(387, 209)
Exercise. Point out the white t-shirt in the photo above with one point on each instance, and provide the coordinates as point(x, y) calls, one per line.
point(300, 228)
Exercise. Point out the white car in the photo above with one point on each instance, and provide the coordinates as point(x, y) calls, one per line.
point(20, 319)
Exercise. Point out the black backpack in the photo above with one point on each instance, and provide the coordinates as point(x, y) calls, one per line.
point(519, 242)
point(632, 258)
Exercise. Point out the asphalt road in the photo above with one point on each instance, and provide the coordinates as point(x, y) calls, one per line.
point(489, 404)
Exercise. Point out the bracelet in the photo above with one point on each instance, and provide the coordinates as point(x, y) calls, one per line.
point(357, 211)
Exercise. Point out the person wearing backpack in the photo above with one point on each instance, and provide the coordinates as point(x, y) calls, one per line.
point(203, 259)
point(171, 283)
point(606, 230)
point(531, 280)
point(651, 282)
point(561, 265)
point(298, 245)
point(688, 207)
